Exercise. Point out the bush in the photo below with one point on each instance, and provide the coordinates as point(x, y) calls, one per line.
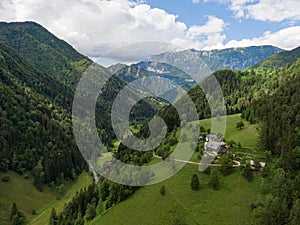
point(5, 178)
point(247, 172)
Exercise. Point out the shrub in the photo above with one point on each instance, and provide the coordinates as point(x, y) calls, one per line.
point(5, 178)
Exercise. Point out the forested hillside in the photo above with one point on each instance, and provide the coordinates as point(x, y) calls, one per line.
point(45, 51)
point(38, 75)
point(279, 60)
point(36, 133)
point(279, 115)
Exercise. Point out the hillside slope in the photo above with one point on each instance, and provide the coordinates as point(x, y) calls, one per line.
point(44, 51)
point(280, 60)
point(35, 130)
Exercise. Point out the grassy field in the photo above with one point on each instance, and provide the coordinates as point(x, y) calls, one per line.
point(28, 198)
point(247, 136)
point(228, 205)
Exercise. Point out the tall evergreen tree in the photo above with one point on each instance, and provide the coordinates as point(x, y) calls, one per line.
point(90, 212)
point(214, 179)
point(14, 211)
point(53, 218)
point(195, 185)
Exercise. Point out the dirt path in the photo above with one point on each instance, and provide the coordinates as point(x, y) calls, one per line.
point(237, 163)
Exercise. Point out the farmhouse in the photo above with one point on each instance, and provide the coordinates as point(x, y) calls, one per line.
point(213, 146)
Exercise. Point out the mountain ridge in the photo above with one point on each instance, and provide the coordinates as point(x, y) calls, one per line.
point(45, 51)
point(280, 60)
point(231, 58)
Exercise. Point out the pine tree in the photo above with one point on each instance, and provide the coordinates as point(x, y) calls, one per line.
point(90, 212)
point(214, 179)
point(53, 218)
point(17, 220)
point(195, 182)
point(14, 211)
point(16, 216)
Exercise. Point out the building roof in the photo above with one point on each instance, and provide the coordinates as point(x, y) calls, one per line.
point(211, 137)
point(213, 145)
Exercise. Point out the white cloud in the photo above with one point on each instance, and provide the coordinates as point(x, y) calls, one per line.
point(264, 10)
point(95, 27)
point(195, 1)
point(287, 38)
point(209, 35)
point(275, 10)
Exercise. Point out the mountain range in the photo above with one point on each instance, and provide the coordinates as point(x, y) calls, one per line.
point(232, 58)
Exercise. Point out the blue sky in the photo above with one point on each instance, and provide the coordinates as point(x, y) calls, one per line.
point(236, 27)
point(117, 29)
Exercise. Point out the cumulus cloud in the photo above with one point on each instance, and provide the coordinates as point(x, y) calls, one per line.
point(195, 1)
point(287, 38)
point(209, 35)
point(264, 10)
point(275, 10)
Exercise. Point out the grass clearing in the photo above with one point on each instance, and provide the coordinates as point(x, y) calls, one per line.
point(247, 136)
point(28, 198)
point(83, 181)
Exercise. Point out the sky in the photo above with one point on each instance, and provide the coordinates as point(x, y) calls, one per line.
point(110, 31)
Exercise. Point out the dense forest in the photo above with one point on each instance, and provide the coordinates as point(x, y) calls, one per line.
point(36, 128)
point(279, 116)
point(36, 133)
